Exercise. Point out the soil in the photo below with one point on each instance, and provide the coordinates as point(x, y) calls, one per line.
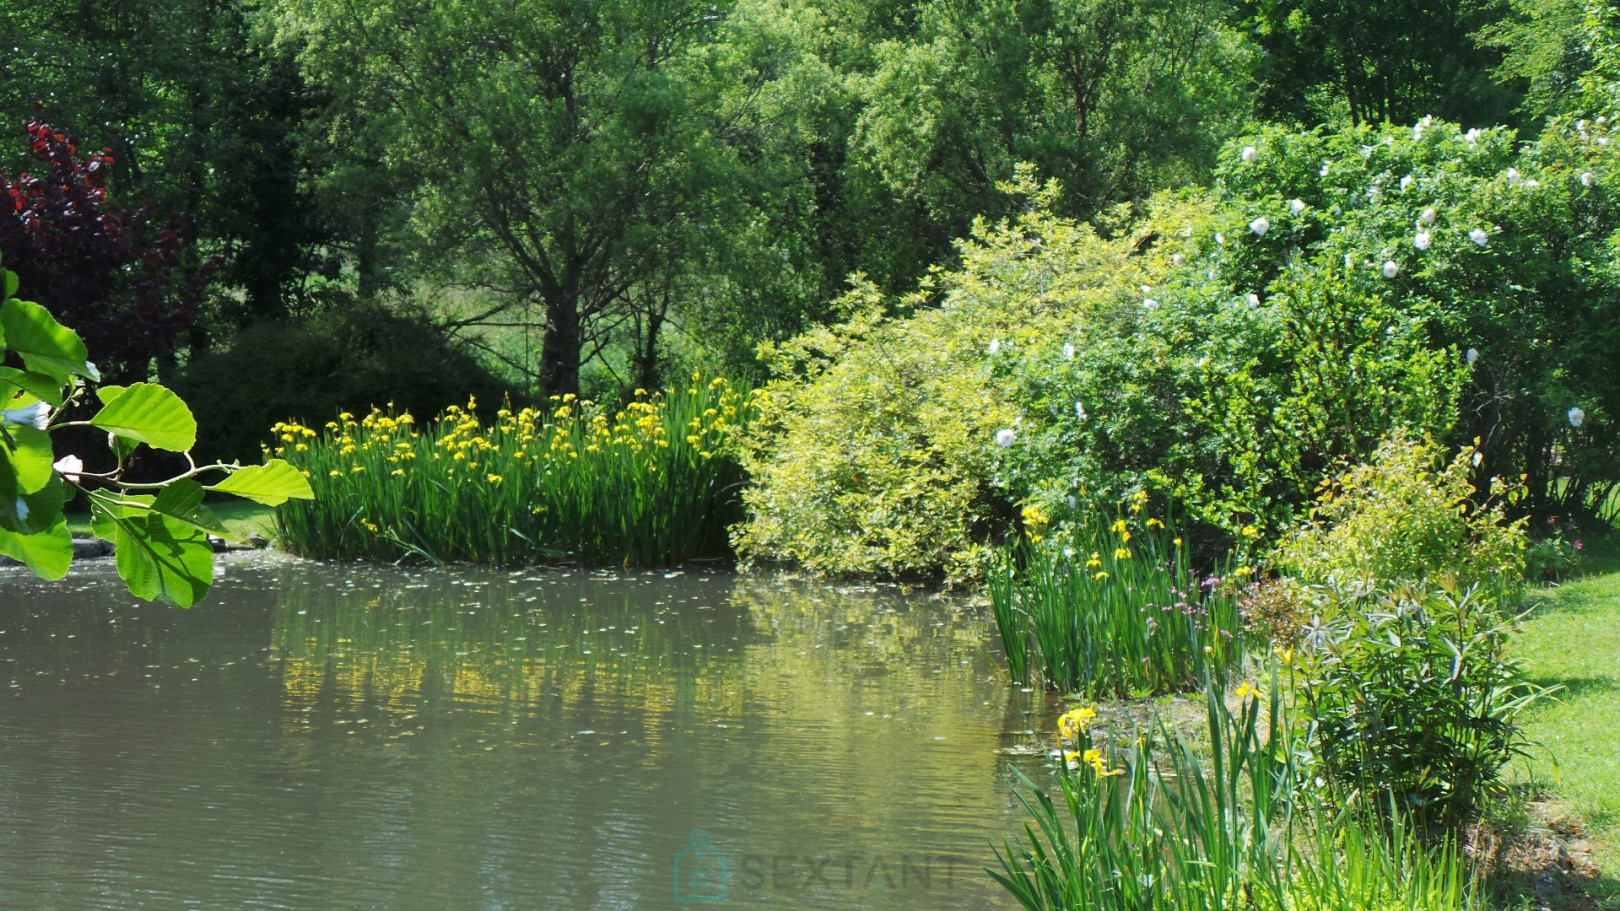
point(1545, 859)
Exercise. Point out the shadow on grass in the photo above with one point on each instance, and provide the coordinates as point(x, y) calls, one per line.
point(1561, 890)
point(1532, 854)
point(1571, 687)
point(1551, 598)
point(1601, 556)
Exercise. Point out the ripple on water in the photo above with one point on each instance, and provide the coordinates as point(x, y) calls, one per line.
point(340, 736)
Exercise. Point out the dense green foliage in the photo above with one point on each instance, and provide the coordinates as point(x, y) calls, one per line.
point(202, 124)
point(1408, 577)
point(627, 188)
point(579, 140)
point(1068, 369)
point(1496, 254)
point(1350, 780)
point(1228, 352)
point(1409, 695)
point(105, 271)
point(1372, 63)
point(636, 168)
point(1404, 515)
point(311, 370)
point(652, 484)
point(878, 454)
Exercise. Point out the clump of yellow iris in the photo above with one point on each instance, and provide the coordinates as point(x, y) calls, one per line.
point(476, 468)
point(1075, 746)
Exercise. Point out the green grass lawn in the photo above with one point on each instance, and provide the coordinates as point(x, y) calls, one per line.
point(1573, 640)
point(240, 516)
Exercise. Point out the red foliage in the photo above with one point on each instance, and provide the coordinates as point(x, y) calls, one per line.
point(107, 272)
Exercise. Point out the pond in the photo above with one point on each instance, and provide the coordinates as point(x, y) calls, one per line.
point(371, 737)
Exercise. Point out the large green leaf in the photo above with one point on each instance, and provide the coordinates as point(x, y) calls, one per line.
point(8, 481)
point(9, 281)
point(183, 500)
point(46, 345)
point(160, 558)
point(38, 385)
point(35, 511)
point(29, 457)
point(47, 553)
point(273, 483)
point(151, 414)
point(29, 501)
point(120, 446)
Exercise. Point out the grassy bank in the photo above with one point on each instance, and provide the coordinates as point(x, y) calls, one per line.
point(1573, 640)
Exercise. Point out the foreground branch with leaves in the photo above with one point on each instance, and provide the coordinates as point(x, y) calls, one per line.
point(160, 529)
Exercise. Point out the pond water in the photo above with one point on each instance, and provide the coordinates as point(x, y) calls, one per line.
point(319, 736)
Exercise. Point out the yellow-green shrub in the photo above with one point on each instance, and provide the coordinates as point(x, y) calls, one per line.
point(1409, 515)
point(877, 456)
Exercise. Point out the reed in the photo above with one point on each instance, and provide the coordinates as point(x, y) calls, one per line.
point(1160, 823)
point(1119, 611)
point(653, 483)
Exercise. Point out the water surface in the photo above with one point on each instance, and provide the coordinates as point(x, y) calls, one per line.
point(319, 736)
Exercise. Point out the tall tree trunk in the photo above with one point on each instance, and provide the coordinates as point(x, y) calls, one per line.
point(647, 351)
point(560, 353)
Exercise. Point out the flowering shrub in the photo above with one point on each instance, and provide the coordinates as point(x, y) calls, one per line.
point(652, 483)
point(1226, 351)
point(1231, 405)
point(1552, 555)
point(1408, 515)
point(879, 452)
point(869, 462)
point(1499, 254)
point(1347, 283)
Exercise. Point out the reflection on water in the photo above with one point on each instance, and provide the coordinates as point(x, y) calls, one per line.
point(345, 737)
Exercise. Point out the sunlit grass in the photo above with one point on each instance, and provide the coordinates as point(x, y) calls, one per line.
point(1573, 639)
point(653, 483)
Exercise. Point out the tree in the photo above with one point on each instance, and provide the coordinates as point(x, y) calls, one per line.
point(1113, 98)
point(573, 137)
point(1544, 48)
point(93, 262)
point(200, 122)
point(1392, 61)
